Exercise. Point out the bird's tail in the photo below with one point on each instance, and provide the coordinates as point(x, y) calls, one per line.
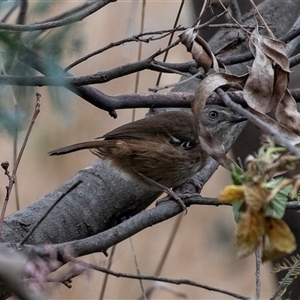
point(75, 147)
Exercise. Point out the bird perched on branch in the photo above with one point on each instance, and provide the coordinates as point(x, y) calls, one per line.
point(162, 150)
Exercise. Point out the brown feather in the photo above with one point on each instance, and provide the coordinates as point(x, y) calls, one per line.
point(163, 147)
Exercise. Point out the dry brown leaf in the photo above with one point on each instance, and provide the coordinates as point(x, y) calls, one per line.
point(232, 193)
point(280, 129)
point(266, 86)
point(259, 86)
point(281, 80)
point(280, 235)
point(276, 50)
point(199, 49)
point(250, 231)
point(269, 252)
point(287, 113)
point(255, 196)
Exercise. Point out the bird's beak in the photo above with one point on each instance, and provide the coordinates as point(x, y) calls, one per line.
point(238, 119)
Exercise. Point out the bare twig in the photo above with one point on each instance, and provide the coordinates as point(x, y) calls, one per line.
point(161, 279)
point(295, 60)
point(15, 155)
point(9, 13)
point(137, 75)
point(259, 123)
point(104, 282)
point(135, 38)
point(261, 18)
point(171, 38)
point(165, 254)
point(61, 22)
point(257, 273)
point(157, 88)
point(235, 9)
point(35, 114)
point(293, 45)
point(12, 177)
point(137, 269)
point(233, 19)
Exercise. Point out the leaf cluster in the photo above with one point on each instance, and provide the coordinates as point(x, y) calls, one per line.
point(259, 202)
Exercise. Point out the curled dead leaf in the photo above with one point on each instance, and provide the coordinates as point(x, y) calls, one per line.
point(287, 113)
point(280, 235)
point(199, 49)
point(232, 193)
point(266, 86)
point(280, 129)
point(255, 196)
point(259, 85)
point(269, 252)
point(250, 231)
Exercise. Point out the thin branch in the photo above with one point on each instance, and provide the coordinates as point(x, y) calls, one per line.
point(139, 57)
point(140, 38)
point(104, 282)
point(12, 177)
point(171, 38)
point(247, 56)
point(158, 88)
point(90, 94)
point(259, 123)
point(235, 10)
point(23, 11)
point(9, 13)
point(295, 60)
point(161, 279)
point(62, 79)
point(165, 254)
point(35, 114)
point(257, 273)
point(106, 102)
point(79, 16)
point(134, 38)
point(258, 14)
point(149, 63)
point(15, 147)
point(78, 9)
point(293, 45)
point(137, 268)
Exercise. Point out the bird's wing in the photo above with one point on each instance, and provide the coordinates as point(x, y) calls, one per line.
point(165, 124)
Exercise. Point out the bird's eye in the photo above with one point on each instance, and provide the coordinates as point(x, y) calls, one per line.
point(213, 114)
point(188, 144)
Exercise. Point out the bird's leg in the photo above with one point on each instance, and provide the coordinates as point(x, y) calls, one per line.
point(165, 189)
point(196, 183)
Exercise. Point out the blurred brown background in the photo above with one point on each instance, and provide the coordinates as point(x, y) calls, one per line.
point(203, 249)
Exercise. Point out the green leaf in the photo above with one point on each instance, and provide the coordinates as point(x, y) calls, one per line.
point(276, 207)
point(237, 208)
point(237, 174)
point(273, 183)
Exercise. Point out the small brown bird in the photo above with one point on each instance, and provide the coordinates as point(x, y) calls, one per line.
point(163, 148)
